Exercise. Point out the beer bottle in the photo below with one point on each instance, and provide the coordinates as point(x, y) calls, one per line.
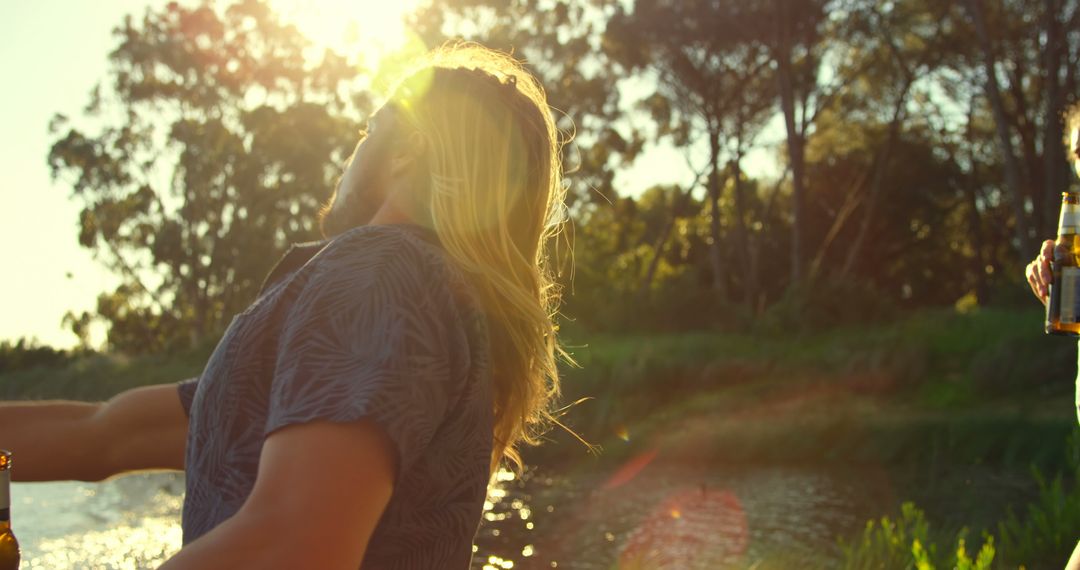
point(9, 547)
point(1063, 309)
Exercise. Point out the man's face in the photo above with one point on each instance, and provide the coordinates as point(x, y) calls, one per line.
point(362, 188)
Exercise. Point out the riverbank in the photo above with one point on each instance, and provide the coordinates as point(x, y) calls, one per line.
point(948, 409)
point(985, 386)
point(981, 387)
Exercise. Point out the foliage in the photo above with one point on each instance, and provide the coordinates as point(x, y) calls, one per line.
point(246, 127)
point(1045, 536)
point(25, 353)
point(908, 172)
point(906, 544)
point(1006, 364)
point(825, 304)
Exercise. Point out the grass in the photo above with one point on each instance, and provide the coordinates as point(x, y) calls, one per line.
point(927, 394)
point(982, 386)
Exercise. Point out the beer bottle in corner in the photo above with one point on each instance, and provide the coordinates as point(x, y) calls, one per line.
point(9, 547)
point(1063, 308)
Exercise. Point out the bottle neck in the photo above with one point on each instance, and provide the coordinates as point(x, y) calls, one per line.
point(1069, 221)
point(5, 496)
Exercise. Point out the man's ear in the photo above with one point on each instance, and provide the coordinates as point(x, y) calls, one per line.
point(409, 152)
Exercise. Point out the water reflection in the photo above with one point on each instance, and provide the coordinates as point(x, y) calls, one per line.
point(673, 516)
point(126, 523)
point(664, 516)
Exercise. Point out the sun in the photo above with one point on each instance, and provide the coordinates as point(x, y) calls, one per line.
point(374, 27)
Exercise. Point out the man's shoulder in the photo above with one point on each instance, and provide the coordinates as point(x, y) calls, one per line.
point(294, 258)
point(390, 252)
point(392, 246)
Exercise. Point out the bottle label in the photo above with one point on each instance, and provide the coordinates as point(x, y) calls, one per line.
point(1069, 221)
point(1070, 295)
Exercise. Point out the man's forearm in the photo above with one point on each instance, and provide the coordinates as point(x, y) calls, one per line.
point(140, 428)
point(236, 543)
point(248, 541)
point(50, 440)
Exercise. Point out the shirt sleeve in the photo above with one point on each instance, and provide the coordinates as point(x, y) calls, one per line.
point(369, 337)
point(187, 388)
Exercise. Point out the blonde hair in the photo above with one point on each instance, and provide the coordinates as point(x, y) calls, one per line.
point(1072, 123)
point(494, 180)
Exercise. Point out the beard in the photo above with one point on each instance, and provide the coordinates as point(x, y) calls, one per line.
point(348, 208)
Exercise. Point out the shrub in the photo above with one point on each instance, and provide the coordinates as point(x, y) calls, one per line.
point(24, 354)
point(907, 544)
point(1030, 360)
point(1046, 536)
point(825, 304)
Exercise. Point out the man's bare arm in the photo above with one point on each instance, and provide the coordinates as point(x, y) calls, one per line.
point(319, 493)
point(142, 428)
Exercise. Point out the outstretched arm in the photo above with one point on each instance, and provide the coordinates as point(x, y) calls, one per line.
point(319, 493)
point(142, 428)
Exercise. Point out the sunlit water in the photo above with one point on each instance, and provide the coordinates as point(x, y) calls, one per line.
point(126, 523)
point(660, 516)
point(675, 517)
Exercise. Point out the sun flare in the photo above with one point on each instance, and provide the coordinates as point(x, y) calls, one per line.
point(374, 26)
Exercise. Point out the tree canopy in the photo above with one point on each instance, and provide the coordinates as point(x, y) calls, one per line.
point(918, 148)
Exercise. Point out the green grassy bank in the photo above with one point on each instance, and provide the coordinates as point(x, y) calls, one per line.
point(984, 386)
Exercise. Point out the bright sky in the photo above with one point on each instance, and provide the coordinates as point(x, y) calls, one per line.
point(52, 53)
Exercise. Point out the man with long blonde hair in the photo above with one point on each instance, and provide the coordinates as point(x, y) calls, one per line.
point(353, 415)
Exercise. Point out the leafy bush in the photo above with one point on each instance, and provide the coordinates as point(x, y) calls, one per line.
point(1046, 536)
point(824, 304)
point(1043, 538)
point(1030, 361)
point(907, 544)
point(24, 354)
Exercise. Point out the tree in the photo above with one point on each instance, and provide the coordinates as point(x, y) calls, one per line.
point(712, 89)
point(217, 140)
point(796, 49)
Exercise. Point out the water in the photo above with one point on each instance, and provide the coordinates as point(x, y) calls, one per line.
point(645, 515)
point(677, 516)
point(129, 522)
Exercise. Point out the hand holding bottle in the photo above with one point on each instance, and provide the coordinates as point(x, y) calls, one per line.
point(1039, 272)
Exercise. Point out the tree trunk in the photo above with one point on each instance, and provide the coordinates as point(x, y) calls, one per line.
point(742, 242)
point(997, 106)
point(795, 141)
point(1031, 167)
point(1053, 153)
point(882, 166)
point(658, 247)
point(978, 242)
point(716, 256)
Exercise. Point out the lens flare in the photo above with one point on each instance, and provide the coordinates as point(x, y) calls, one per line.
point(630, 469)
point(695, 527)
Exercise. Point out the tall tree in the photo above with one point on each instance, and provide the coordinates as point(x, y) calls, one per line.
point(1001, 119)
point(796, 48)
point(713, 90)
point(216, 141)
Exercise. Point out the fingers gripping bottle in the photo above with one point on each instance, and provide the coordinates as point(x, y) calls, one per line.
point(1063, 309)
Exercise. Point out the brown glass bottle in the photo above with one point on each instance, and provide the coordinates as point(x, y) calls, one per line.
point(1063, 308)
point(9, 547)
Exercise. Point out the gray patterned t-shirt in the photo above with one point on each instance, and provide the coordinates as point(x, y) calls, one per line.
point(378, 324)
